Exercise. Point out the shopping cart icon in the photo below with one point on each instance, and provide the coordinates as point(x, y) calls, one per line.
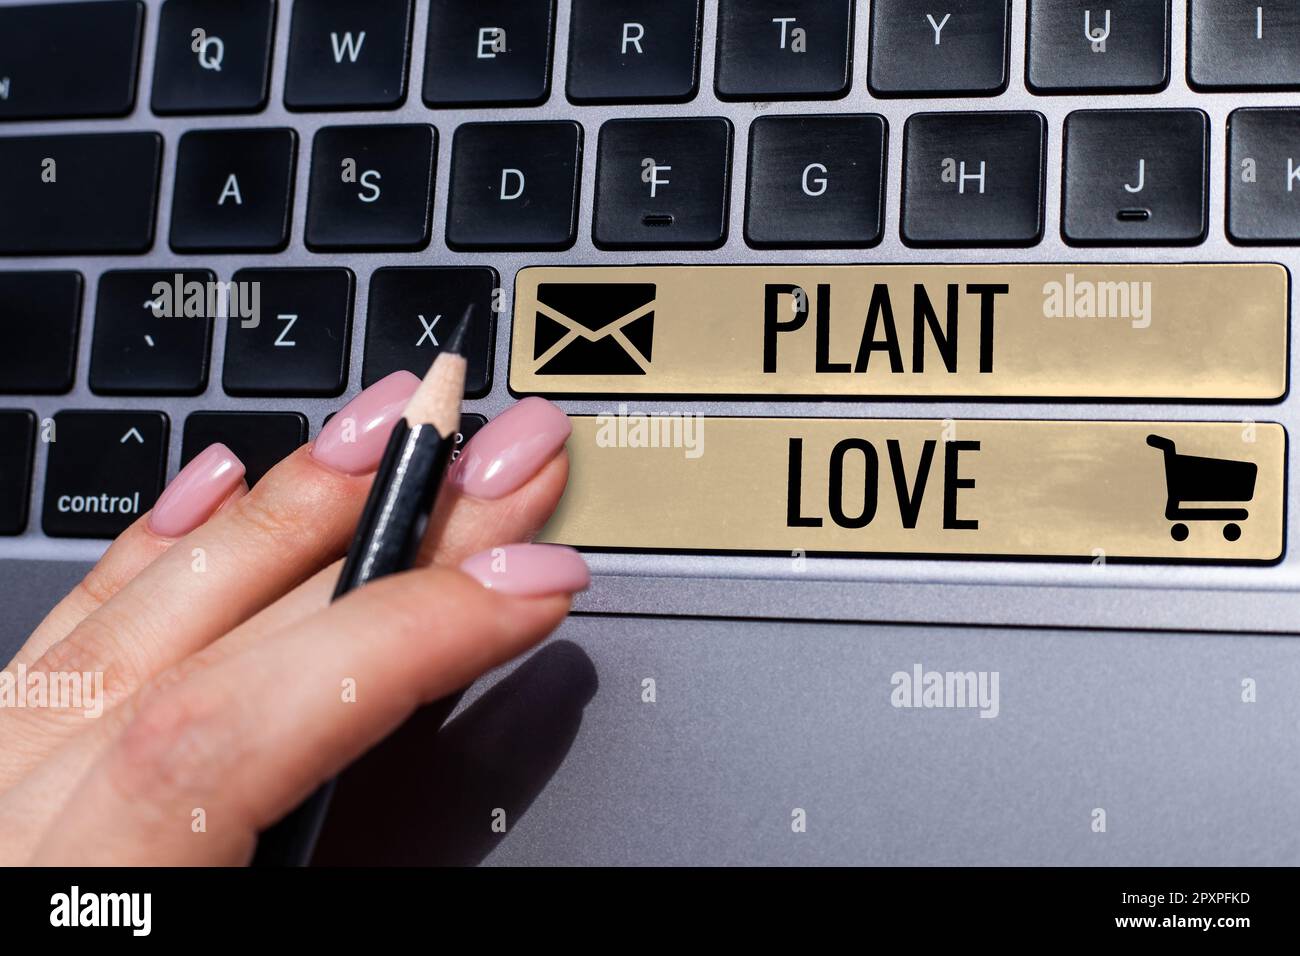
point(1208, 481)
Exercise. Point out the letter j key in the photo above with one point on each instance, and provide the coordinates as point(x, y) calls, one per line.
point(1136, 177)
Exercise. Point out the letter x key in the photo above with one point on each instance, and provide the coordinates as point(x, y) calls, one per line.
point(428, 330)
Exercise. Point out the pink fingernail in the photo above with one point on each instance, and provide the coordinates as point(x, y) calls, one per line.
point(353, 440)
point(196, 492)
point(511, 449)
point(529, 570)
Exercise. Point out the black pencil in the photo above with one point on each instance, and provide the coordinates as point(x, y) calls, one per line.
point(387, 540)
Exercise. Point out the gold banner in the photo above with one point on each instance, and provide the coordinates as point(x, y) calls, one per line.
point(1069, 489)
point(1204, 331)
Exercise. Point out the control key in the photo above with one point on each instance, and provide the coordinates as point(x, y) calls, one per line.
point(105, 470)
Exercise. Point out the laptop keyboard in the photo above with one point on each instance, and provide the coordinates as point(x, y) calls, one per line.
point(218, 220)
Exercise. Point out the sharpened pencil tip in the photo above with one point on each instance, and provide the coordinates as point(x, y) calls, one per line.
point(437, 399)
point(454, 344)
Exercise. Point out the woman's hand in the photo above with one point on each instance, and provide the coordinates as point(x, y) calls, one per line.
point(231, 687)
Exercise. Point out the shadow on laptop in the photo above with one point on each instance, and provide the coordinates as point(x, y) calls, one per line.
point(425, 797)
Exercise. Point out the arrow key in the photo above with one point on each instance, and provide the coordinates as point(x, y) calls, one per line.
point(105, 470)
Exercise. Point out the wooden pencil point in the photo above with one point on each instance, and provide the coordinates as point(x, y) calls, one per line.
point(455, 342)
point(437, 401)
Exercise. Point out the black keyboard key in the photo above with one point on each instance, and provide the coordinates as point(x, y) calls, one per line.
point(815, 181)
point(784, 49)
point(488, 52)
point(1244, 44)
point(105, 470)
point(17, 439)
point(1079, 46)
point(663, 184)
point(348, 55)
point(514, 186)
point(412, 308)
point(259, 439)
point(957, 48)
point(40, 313)
point(628, 51)
point(973, 179)
point(371, 187)
point(1135, 177)
point(148, 339)
point(469, 427)
point(298, 342)
point(1264, 176)
point(213, 56)
point(234, 190)
point(62, 60)
point(86, 192)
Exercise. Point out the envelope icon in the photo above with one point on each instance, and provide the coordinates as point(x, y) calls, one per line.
point(594, 328)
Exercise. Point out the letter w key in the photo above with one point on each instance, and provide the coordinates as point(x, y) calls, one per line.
point(347, 44)
point(344, 54)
